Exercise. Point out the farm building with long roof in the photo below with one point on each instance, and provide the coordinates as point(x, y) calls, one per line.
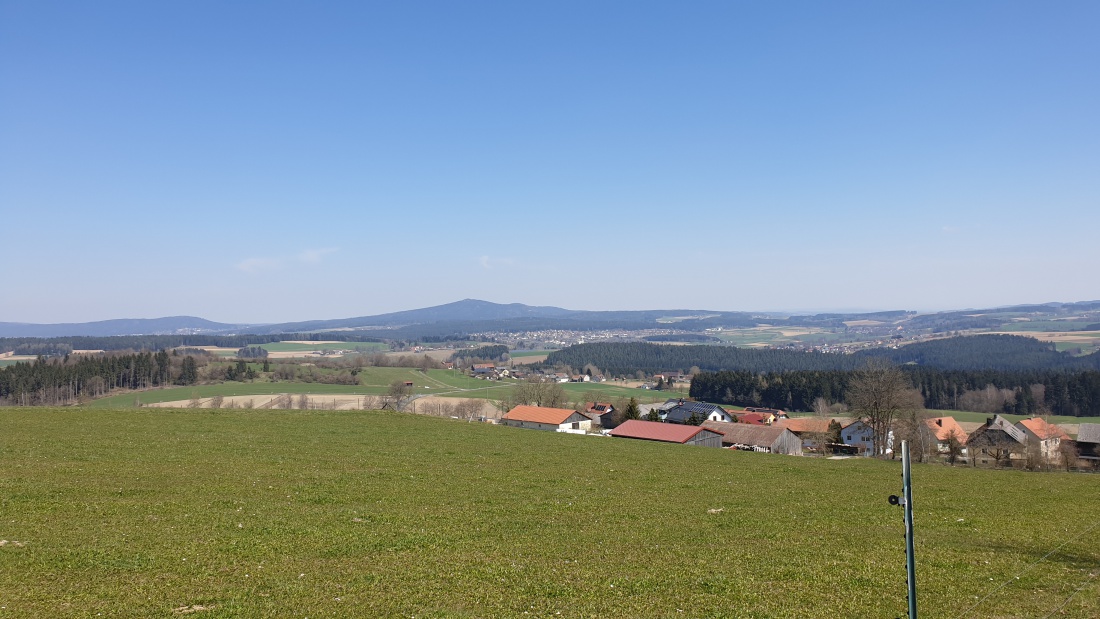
point(668, 433)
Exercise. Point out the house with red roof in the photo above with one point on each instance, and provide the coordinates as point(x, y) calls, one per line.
point(944, 428)
point(1044, 438)
point(668, 433)
point(546, 418)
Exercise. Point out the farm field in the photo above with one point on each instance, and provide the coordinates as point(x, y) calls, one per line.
point(293, 348)
point(140, 513)
point(374, 381)
point(776, 336)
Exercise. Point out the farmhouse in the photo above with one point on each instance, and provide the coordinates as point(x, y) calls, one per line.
point(997, 442)
point(766, 439)
point(667, 433)
point(1043, 437)
point(545, 418)
point(682, 411)
point(944, 428)
point(859, 435)
point(600, 413)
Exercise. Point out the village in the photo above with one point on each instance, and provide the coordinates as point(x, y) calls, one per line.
point(1031, 444)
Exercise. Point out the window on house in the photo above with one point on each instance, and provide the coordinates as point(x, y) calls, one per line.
point(849, 437)
point(576, 425)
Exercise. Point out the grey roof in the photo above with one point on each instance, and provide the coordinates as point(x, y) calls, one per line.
point(681, 412)
point(745, 433)
point(1088, 433)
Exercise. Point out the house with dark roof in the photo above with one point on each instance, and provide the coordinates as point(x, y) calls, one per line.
point(996, 443)
point(748, 437)
point(667, 433)
point(601, 413)
point(546, 418)
point(685, 412)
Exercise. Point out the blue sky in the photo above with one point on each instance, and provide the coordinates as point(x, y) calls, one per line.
point(264, 162)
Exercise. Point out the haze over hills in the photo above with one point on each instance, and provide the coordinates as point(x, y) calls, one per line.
point(472, 315)
point(120, 326)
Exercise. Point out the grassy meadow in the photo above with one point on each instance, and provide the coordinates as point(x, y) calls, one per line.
point(161, 513)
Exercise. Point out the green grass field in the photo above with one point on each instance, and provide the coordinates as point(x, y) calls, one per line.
point(519, 354)
point(143, 513)
point(373, 381)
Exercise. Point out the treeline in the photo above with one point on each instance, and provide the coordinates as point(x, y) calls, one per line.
point(59, 381)
point(1022, 392)
point(57, 346)
point(625, 358)
point(977, 352)
point(495, 352)
point(999, 352)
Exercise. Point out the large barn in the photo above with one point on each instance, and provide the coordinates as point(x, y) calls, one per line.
point(668, 433)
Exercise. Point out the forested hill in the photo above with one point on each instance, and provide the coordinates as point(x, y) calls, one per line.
point(978, 352)
point(985, 352)
point(627, 358)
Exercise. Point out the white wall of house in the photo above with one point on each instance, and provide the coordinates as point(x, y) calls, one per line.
point(719, 416)
point(858, 435)
point(568, 426)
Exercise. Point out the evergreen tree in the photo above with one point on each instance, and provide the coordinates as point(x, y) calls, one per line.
point(189, 372)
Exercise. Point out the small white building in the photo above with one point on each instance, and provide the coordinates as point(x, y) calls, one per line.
point(546, 418)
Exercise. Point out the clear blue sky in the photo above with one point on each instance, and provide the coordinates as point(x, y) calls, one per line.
point(272, 161)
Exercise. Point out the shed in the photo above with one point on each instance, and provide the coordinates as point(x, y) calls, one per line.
point(1088, 442)
point(768, 439)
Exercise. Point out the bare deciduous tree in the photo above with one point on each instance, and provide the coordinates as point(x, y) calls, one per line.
point(879, 394)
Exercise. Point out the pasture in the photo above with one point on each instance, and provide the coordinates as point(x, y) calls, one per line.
point(160, 513)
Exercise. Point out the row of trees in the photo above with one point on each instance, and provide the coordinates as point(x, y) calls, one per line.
point(996, 353)
point(1026, 393)
point(54, 382)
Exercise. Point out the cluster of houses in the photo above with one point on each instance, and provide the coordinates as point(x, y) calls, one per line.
point(1031, 443)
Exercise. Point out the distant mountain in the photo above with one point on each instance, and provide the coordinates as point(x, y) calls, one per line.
point(466, 310)
point(474, 316)
point(122, 326)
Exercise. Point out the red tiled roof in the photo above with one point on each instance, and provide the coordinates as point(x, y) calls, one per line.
point(656, 431)
point(1039, 427)
point(804, 424)
point(755, 419)
point(944, 427)
point(539, 414)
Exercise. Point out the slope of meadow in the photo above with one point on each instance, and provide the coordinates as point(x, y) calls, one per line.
point(156, 513)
